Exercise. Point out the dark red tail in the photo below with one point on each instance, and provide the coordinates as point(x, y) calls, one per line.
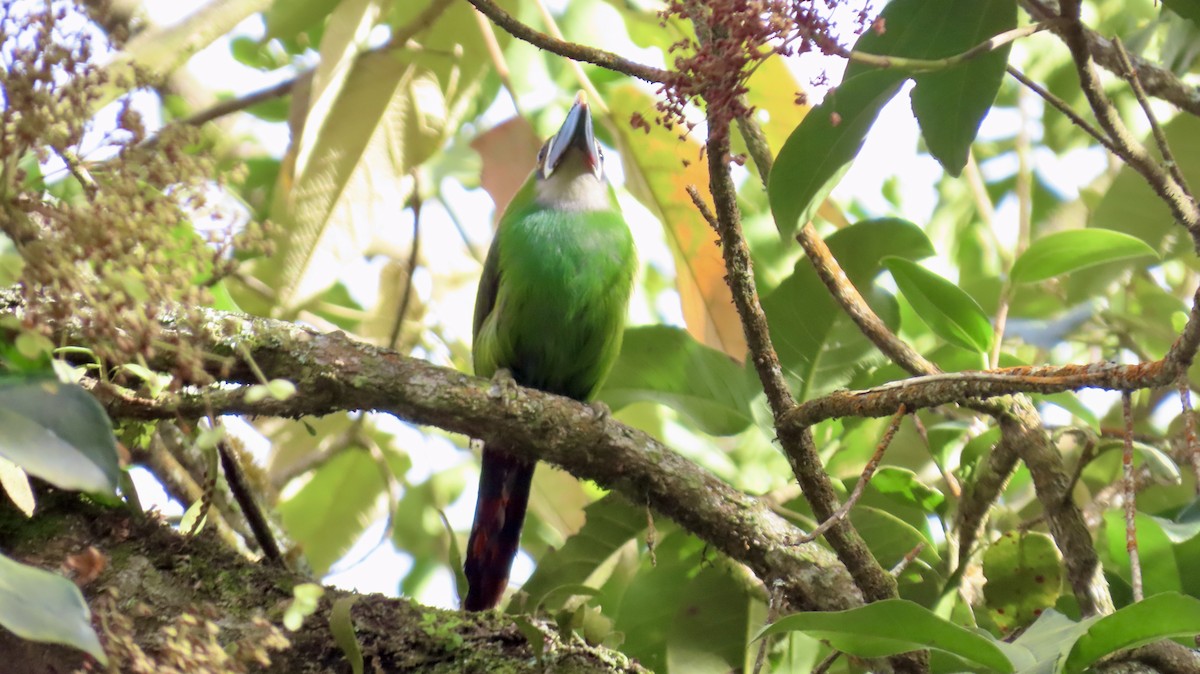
point(496, 534)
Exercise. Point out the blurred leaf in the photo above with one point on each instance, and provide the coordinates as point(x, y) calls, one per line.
point(611, 523)
point(416, 524)
point(890, 538)
point(1064, 252)
point(1156, 617)
point(711, 624)
point(58, 432)
point(651, 605)
point(1188, 9)
point(952, 314)
point(509, 153)
point(43, 606)
point(820, 150)
point(1024, 578)
point(162, 50)
point(658, 169)
point(1130, 206)
point(893, 626)
point(341, 626)
point(333, 508)
point(286, 18)
point(662, 364)
point(816, 343)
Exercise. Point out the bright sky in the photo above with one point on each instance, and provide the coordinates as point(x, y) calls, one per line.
point(890, 152)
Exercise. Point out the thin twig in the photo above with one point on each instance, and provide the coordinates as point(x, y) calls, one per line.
point(907, 559)
point(1135, 561)
point(863, 480)
point(1061, 105)
point(1160, 138)
point(705, 211)
point(570, 50)
point(925, 65)
point(413, 256)
point(244, 495)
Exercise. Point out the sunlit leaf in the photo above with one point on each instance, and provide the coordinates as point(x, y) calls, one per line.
point(509, 153)
point(952, 314)
point(1156, 617)
point(893, 626)
point(1064, 252)
point(329, 512)
point(43, 606)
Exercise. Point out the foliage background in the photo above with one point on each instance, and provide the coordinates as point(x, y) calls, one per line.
point(402, 116)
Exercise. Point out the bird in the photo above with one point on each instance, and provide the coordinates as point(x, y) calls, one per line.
point(549, 314)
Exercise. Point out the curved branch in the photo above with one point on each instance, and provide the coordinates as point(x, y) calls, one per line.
point(333, 372)
point(575, 52)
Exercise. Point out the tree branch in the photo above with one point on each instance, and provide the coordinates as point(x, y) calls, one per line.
point(333, 372)
point(575, 52)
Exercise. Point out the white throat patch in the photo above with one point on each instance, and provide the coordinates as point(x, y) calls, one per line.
point(572, 187)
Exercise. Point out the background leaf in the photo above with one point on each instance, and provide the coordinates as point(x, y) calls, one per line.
point(952, 314)
point(1064, 252)
point(43, 606)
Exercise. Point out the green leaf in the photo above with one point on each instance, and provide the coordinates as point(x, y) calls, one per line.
point(817, 344)
point(904, 485)
point(306, 597)
point(611, 523)
point(893, 626)
point(890, 538)
point(665, 365)
point(58, 432)
point(820, 150)
point(950, 312)
point(286, 18)
point(1049, 639)
point(341, 626)
point(1024, 578)
point(1188, 9)
point(711, 624)
point(1160, 616)
point(330, 511)
point(43, 606)
point(949, 104)
point(1064, 252)
point(651, 604)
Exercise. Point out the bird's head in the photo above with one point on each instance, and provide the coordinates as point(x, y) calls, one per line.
point(570, 165)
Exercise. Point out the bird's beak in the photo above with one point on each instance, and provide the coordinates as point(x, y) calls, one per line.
point(576, 133)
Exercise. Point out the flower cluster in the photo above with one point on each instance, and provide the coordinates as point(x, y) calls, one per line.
point(733, 37)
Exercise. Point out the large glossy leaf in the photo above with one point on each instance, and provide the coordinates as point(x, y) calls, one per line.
point(1024, 578)
point(951, 313)
point(821, 148)
point(58, 432)
point(659, 167)
point(950, 103)
point(329, 512)
point(711, 623)
point(655, 596)
point(816, 343)
point(43, 606)
point(1064, 252)
point(1157, 617)
point(1160, 571)
point(665, 365)
point(894, 626)
point(611, 523)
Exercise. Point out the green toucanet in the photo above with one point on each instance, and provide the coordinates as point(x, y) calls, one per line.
point(550, 310)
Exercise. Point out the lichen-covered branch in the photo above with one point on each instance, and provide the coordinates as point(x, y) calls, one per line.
point(333, 372)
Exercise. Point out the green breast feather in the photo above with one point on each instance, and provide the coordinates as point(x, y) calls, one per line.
point(553, 309)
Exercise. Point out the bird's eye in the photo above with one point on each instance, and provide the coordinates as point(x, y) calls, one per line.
point(599, 152)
